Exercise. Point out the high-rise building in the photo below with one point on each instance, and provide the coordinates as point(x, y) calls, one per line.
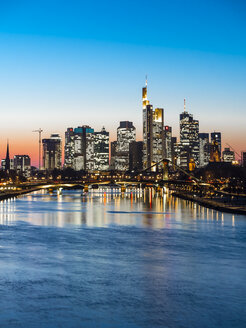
point(173, 150)
point(204, 151)
point(126, 133)
point(216, 137)
point(136, 156)
point(79, 156)
point(101, 150)
point(69, 148)
point(228, 155)
point(168, 142)
point(189, 139)
point(22, 165)
point(214, 152)
point(52, 153)
point(79, 148)
point(153, 132)
point(113, 147)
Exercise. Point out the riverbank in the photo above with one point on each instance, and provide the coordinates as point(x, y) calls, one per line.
point(16, 193)
point(218, 206)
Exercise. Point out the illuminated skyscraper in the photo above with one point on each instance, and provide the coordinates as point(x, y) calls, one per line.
point(204, 149)
point(168, 142)
point(101, 150)
point(126, 133)
point(52, 153)
point(69, 148)
point(214, 152)
point(153, 132)
point(216, 137)
point(79, 148)
point(189, 139)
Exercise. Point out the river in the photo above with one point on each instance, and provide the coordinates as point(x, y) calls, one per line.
point(114, 261)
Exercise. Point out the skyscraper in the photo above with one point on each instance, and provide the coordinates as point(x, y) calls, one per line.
point(189, 139)
point(204, 151)
point(136, 156)
point(153, 132)
point(168, 142)
point(52, 154)
point(79, 148)
point(214, 152)
point(113, 152)
point(101, 150)
point(216, 137)
point(69, 148)
point(126, 133)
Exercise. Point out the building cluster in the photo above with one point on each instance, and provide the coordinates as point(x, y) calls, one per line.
point(88, 150)
point(21, 164)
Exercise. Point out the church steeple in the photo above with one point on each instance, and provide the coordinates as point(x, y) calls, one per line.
point(7, 159)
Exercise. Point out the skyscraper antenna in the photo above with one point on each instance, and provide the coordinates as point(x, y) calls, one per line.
point(146, 80)
point(184, 105)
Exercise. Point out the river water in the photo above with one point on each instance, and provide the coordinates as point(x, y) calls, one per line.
point(120, 261)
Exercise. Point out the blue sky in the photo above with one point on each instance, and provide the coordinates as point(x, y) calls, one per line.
point(68, 63)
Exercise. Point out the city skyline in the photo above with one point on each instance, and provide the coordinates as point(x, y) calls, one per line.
point(112, 137)
point(54, 76)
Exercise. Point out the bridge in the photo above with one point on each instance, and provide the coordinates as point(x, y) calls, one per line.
point(140, 179)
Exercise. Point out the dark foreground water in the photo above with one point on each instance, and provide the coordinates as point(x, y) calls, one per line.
point(101, 261)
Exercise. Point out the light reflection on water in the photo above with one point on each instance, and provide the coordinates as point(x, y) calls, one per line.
point(106, 260)
point(104, 209)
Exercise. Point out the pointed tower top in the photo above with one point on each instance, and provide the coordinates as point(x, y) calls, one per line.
point(7, 152)
point(146, 80)
point(184, 105)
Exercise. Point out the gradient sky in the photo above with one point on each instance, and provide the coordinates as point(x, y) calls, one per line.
point(70, 63)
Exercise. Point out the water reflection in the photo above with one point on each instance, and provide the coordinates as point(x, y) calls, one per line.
point(145, 208)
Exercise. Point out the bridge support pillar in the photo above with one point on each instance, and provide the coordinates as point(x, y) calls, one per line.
point(59, 191)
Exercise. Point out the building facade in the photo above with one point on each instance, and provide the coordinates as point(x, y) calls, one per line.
point(22, 165)
point(126, 133)
point(136, 156)
point(79, 148)
point(204, 149)
point(69, 148)
point(189, 139)
point(153, 132)
point(52, 152)
point(228, 155)
point(168, 142)
point(216, 139)
point(101, 150)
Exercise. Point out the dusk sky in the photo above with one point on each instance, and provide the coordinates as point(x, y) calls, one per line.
point(70, 63)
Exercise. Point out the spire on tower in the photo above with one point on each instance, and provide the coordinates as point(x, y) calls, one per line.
point(7, 159)
point(146, 80)
point(184, 105)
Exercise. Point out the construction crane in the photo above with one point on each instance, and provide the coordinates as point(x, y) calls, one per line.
point(40, 140)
